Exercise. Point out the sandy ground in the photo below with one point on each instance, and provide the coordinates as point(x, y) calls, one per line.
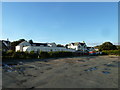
point(77, 72)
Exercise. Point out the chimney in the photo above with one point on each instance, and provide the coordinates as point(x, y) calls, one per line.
point(7, 39)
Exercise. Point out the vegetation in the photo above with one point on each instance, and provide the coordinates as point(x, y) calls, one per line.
point(10, 54)
point(30, 41)
point(66, 45)
point(59, 45)
point(111, 52)
point(15, 43)
point(118, 47)
point(107, 46)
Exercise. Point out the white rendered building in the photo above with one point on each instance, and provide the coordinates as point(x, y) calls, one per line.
point(37, 47)
point(78, 46)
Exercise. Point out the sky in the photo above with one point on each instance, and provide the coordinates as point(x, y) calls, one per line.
point(61, 22)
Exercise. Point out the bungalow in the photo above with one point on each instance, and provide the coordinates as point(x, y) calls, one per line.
point(37, 47)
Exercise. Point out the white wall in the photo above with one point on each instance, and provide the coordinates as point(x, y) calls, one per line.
point(47, 49)
point(52, 44)
point(19, 48)
point(77, 47)
point(73, 47)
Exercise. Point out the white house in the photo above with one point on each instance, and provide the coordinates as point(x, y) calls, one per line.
point(37, 47)
point(78, 46)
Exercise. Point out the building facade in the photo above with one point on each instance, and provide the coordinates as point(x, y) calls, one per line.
point(78, 46)
point(37, 47)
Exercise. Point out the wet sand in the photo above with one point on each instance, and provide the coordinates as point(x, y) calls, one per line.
point(77, 72)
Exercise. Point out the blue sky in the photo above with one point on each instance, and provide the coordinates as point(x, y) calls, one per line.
point(61, 22)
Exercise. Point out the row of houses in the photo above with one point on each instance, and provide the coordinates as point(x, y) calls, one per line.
point(37, 47)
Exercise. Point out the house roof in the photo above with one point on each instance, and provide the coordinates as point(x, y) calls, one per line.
point(77, 43)
point(7, 42)
point(38, 44)
point(3, 45)
point(22, 43)
point(88, 47)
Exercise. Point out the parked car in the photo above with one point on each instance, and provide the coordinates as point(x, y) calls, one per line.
point(92, 53)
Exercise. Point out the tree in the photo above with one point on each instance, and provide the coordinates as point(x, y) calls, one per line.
point(118, 47)
point(15, 43)
point(59, 45)
point(30, 41)
point(107, 46)
point(66, 45)
point(97, 46)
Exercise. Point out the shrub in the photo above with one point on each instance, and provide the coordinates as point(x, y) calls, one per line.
point(44, 54)
point(9, 52)
point(111, 52)
point(32, 54)
point(19, 55)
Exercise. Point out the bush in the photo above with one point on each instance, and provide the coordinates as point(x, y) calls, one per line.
point(9, 52)
point(19, 55)
point(44, 54)
point(61, 54)
point(107, 46)
point(111, 52)
point(32, 54)
point(41, 54)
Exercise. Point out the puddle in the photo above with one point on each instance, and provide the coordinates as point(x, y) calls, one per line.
point(111, 65)
point(81, 61)
point(32, 88)
point(105, 72)
point(84, 65)
point(113, 57)
point(49, 68)
point(30, 67)
point(107, 69)
point(12, 68)
point(91, 69)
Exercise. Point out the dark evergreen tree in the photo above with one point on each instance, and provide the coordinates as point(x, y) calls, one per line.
point(15, 43)
point(107, 46)
point(30, 41)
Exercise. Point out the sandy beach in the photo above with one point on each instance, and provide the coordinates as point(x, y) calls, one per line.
point(76, 72)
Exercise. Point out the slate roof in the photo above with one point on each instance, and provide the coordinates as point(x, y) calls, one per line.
point(3, 44)
point(7, 42)
point(38, 44)
point(76, 43)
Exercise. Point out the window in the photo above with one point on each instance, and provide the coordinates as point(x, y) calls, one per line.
point(78, 46)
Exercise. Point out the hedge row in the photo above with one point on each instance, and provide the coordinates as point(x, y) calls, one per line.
point(32, 55)
point(111, 52)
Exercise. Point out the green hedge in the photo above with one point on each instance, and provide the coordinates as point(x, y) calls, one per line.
point(32, 55)
point(111, 52)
